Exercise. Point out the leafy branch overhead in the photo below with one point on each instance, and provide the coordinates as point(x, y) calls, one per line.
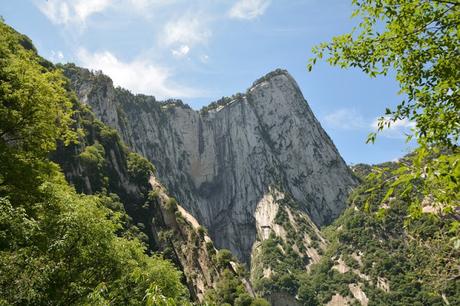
point(419, 41)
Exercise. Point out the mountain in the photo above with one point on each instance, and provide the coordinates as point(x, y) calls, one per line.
point(224, 161)
point(101, 164)
point(85, 220)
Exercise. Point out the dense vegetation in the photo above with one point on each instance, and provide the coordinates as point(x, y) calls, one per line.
point(416, 260)
point(418, 40)
point(57, 246)
point(404, 218)
point(398, 242)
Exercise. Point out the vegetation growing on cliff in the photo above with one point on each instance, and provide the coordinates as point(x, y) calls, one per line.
point(418, 40)
point(57, 246)
point(403, 220)
point(398, 262)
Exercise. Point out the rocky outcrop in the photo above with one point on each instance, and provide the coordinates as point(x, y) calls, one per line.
point(100, 163)
point(221, 161)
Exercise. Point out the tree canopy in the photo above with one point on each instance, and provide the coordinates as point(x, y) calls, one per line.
point(35, 109)
point(58, 247)
point(419, 41)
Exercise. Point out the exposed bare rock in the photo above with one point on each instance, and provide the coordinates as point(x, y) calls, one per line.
point(358, 294)
point(338, 300)
point(220, 162)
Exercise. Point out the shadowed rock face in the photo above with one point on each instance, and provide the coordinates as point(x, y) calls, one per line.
point(220, 162)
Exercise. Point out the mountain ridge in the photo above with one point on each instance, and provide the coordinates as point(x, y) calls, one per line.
point(220, 162)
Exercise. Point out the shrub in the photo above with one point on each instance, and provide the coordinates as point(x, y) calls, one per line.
point(224, 257)
point(260, 302)
point(153, 195)
point(202, 231)
point(139, 169)
point(243, 300)
point(171, 205)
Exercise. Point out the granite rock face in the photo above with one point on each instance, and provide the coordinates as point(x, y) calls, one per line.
point(221, 161)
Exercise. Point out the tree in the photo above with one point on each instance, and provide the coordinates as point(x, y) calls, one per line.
point(139, 169)
point(419, 41)
point(56, 246)
point(223, 258)
point(35, 109)
point(35, 112)
point(260, 302)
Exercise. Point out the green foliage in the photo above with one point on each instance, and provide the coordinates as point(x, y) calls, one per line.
point(139, 168)
point(224, 101)
point(418, 39)
point(223, 258)
point(244, 300)
point(281, 217)
point(56, 246)
point(427, 177)
point(417, 258)
point(171, 205)
point(70, 248)
point(260, 302)
point(202, 231)
point(94, 157)
point(229, 290)
point(210, 248)
point(153, 195)
point(307, 295)
point(35, 112)
point(35, 109)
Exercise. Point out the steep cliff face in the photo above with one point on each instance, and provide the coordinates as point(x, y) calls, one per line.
point(220, 162)
point(101, 163)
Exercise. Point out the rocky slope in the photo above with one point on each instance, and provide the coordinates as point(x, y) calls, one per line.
point(220, 162)
point(101, 163)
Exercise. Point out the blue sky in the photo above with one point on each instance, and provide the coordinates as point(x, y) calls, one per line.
point(202, 50)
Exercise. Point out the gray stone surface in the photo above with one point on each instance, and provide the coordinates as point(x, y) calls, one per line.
point(221, 162)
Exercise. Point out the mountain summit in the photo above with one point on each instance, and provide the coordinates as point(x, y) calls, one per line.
point(221, 162)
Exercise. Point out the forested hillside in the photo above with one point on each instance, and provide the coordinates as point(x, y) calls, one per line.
point(86, 219)
point(101, 239)
point(58, 246)
point(378, 256)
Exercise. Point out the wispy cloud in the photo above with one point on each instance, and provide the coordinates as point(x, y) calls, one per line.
point(346, 119)
point(65, 12)
point(181, 51)
point(248, 9)
point(56, 56)
point(76, 12)
point(189, 29)
point(398, 129)
point(352, 120)
point(139, 76)
point(204, 58)
point(183, 33)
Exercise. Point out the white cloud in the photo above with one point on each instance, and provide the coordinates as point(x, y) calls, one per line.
point(204, 58)
point(187, 30)
point(144, 4)
point(85, 8)
point(350, 119)
point(139, 76)
point(76, 12)
point(56, 56)
point(347, 119)
point(68, 11)
point(397, 130)
point(248, 9)
point(182, 51)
